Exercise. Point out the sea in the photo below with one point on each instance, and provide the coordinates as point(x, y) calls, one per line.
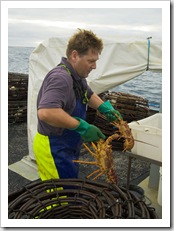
point(147, 85)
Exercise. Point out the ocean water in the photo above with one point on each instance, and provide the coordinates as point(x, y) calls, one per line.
point(18, 59)
point(147, 85)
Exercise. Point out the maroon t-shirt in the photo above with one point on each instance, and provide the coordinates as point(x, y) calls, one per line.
point(57, 92)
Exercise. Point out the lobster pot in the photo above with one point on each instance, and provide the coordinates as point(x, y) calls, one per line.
point(76, 199)
point(17, 111)
point(17, 97)
point(130, 106)
point(90, 115)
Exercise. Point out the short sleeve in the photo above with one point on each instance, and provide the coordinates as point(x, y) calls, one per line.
point(55, 91)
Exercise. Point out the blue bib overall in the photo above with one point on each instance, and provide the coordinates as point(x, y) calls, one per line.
point(66, 147)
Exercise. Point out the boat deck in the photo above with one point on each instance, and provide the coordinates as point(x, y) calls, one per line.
point(19, 161)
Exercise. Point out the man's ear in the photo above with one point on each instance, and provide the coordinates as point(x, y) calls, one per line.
point(74, 56)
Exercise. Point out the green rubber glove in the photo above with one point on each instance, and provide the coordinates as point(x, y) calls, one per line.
point(107, 109)
point(88, 131)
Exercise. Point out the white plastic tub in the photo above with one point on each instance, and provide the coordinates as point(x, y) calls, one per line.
point(148, 137)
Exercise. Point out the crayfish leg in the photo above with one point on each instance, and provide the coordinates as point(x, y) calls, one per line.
point(91, 174)
point(94, 146)
point(101, 173)
point(89, 150)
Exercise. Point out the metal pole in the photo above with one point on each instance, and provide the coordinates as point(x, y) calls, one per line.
point(148, 55)
point(128, 172)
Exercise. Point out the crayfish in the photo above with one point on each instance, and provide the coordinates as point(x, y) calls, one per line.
point(103, 151)
point(104, 159)
point(125, 132)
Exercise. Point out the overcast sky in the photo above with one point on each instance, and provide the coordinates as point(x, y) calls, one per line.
point(30, 26)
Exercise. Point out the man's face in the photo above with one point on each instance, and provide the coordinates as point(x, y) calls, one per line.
point(84, 64)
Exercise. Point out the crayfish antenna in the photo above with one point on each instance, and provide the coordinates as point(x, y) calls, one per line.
point(146, 143)
point(85, 162)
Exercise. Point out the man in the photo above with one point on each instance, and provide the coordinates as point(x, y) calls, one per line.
point(61, 107)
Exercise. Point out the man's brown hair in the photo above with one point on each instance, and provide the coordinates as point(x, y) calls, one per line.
point(82, 41)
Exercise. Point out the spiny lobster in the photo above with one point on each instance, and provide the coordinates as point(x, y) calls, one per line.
point(103, 151)
point(125, 133)
point(104, 159)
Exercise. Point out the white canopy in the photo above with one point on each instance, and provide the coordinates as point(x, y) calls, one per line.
point(119, 62)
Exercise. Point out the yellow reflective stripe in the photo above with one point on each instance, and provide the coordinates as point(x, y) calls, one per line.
point(63, 65)
point(85, 99)
point(45, 162)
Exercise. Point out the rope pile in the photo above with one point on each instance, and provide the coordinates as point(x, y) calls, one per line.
point(17, 97)
point(77, 199)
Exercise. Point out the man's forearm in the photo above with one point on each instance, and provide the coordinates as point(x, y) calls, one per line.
point(95, 101)
point(57, 117)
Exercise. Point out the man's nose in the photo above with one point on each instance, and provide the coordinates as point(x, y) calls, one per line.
point(94, 66)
